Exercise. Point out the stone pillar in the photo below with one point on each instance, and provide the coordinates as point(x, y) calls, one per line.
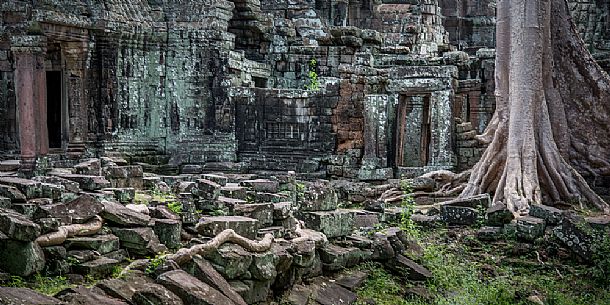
point(375, 162)
point(30, 81)
point(75, 54)
point(40, 100)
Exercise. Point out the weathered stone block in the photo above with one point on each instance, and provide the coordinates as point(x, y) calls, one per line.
point(22, 258)
point(79, 210)
point(333, 223)
point(263, 212)
point(17, 226)
point(168, 231)
point(212, 226)
point(550, 215)
point(282, 210)
point(139, 241)
point(119, 214)
point(530, 228)
point(335, 258)
point(101, 243)
point(191, 290)
point(261, 185)
point(98, 268)
point(319, 197)
point(459, 215)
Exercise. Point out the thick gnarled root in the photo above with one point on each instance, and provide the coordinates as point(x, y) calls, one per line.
point(64, 232)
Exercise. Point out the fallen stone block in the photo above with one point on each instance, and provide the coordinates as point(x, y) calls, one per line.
point(550, 215)
point(263, 212)
point(481, 201)
point(97, 268)
point(253, 292)
point(79, 210)
point(155, 295)
point(83, 295)
point(332, 223)
point(282, 210)
point(319, 197)
point(30, 188)
point(168, 231)
point(208, 189)
point(213, 225)
point(234, 191)
point(92, 167)
point(575, 233)
point(335, 258)
point(490, 233)
point(139, 241)
point(19, 296)
point(101, 243)
point(352, 280)
point(17, 226)
point(22, 258)
point(530, 228)
point(119, 214)
point(458, 215)
point(86, 182)
point(191, 290)
point(204, 271)
point(221, 180)
point(498, 215)
point(408, 268)
point(230, 260)
point(332, 294)
point(12, 193)
point(261, 185)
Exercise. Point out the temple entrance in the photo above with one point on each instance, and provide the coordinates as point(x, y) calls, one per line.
point(54, 108)
point(413, 132)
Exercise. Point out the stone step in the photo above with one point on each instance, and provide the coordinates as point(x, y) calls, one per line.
point(9, 165)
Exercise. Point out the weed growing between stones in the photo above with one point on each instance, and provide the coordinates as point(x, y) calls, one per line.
point(175, 207)
point(154, 263)
point(408, 207)
point(49, 285)
point(314, 83)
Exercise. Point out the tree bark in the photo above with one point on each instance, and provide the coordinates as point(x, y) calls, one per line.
point(541, 114)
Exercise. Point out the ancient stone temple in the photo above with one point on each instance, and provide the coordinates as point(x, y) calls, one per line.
point(358, 89)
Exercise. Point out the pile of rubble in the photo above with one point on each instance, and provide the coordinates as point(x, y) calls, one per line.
point(228, 238)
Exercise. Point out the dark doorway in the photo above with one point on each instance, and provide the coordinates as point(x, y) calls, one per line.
point(413, 132)
point(54, 107)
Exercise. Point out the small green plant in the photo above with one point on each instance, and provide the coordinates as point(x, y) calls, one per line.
point(16, 281)
point(600, 258)
point(50, 285)
point(314, 83)
point(175, 207)
point(408, 208)
point(154, 263)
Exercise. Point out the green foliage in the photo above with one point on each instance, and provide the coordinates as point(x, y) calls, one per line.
point(154, 263)
point(16, 281)
point(601, 259)
point(478, 273)
point(408, 208)
point(314, 83)
point(50, 285)
point(382, 287)
point(140, 198)
point(162, 196)
point(175, 207)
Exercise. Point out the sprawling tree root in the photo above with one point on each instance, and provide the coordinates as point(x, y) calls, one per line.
point(542, 120)
point(186, 254)
point(57, 238)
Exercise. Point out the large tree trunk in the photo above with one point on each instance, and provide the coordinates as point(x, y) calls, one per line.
point(543, 117)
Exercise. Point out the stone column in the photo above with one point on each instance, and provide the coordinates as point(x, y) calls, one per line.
point(374, 161)
point(40, 100)
point(28, 85)
point(74, 54)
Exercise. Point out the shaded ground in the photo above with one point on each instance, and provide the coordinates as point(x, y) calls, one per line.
point(468, 271)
